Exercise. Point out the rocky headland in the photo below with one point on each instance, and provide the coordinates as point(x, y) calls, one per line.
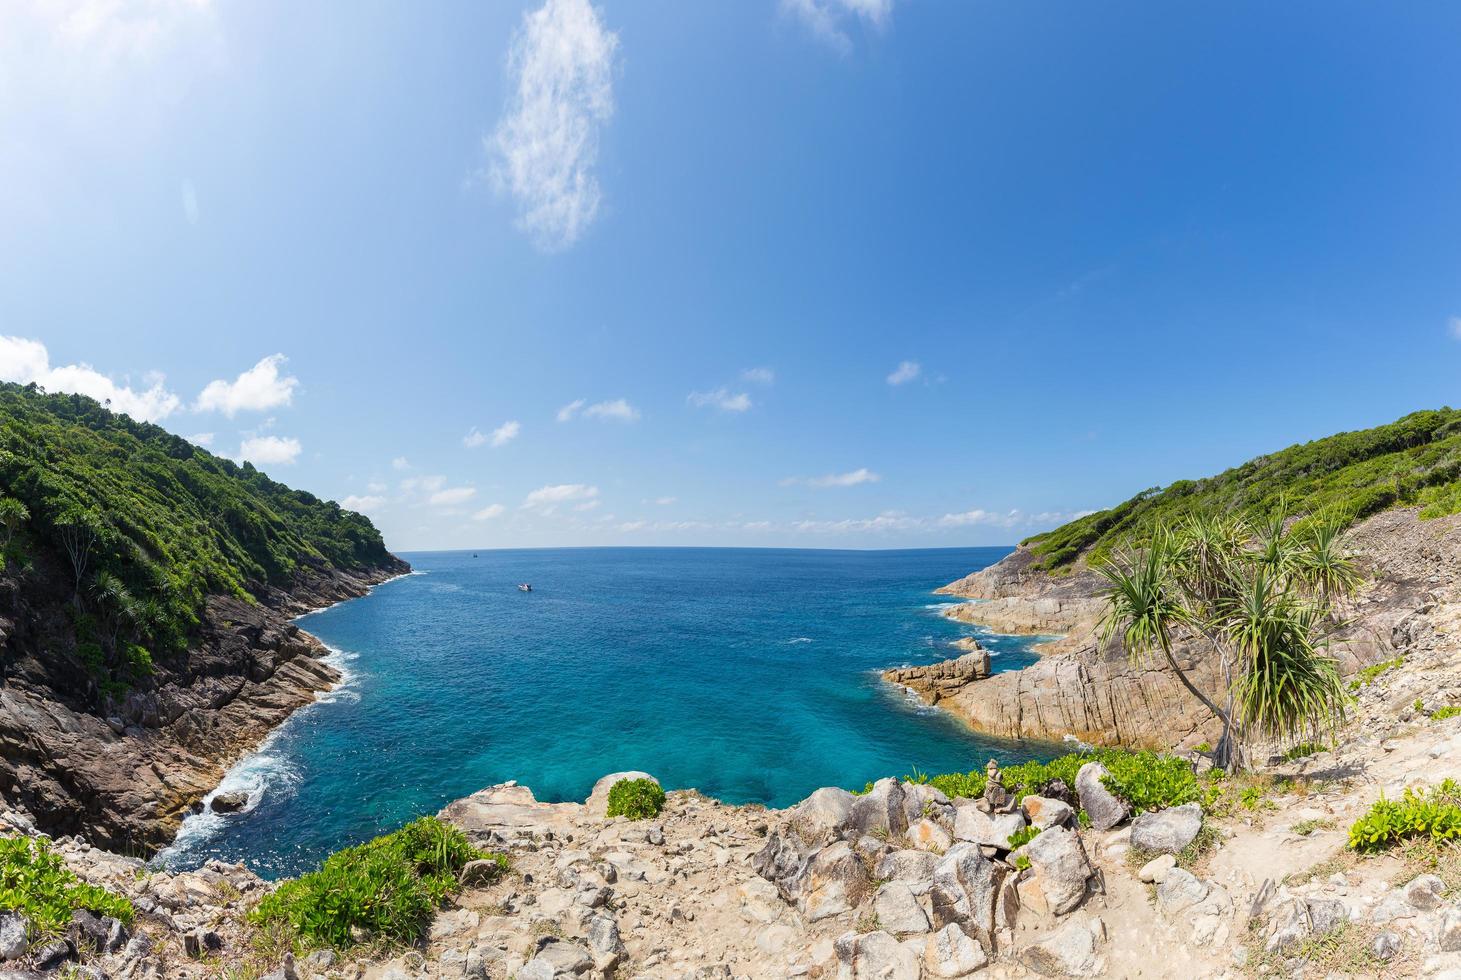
point(127, 777)
point(1093, 692)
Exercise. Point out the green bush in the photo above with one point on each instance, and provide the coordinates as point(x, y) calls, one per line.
point(1435, 814)
point(1304, 749)
point(35, 882)
point(1448, 711)
point(1022, 837)
point(388, 888)
point(1366, 676)
point(636, 799)
point(1146, 780)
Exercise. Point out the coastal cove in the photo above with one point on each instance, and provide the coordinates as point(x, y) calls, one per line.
point(751, 675)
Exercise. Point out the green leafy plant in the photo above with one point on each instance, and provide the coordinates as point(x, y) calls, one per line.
point(1446, 711)
point(1367, 675)
point(1306, 827)
point(35, 882)
point(637, 799)
point(1022, 837)
point(388, 888)
point(1434, 814)
point(1304, 749)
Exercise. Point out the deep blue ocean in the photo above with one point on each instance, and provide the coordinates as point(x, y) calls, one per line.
point(751, 675)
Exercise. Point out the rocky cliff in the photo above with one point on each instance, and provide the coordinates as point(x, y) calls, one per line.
point(128, 773)
point(1094, 693)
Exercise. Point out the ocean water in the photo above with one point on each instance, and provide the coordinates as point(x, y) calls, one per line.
point(751, 675)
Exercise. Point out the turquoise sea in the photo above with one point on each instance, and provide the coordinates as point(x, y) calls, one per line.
point(751, 675)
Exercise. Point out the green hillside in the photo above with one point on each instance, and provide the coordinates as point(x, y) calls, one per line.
point(132, 527)
point(1416, 460)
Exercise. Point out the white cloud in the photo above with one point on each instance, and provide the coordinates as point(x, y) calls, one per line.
point(400, 463)
point(505, 433)
point(888, 520)
point(665, 501)
point(190, 202)
point(618, 410)
point(587, 506)
point(489, 512)
point(545, 147)
point(758, 375)
point(981, 516)
point(825, 18)
point(204, 439)
point(363, 503)
point(26, 361)
point(547, 497)
point(263, 450)
point(567, 412)
point(474, 438)
point(851, 479)
point(905, 372)
point(453, 496)
point(258, 389)
point(721, 398)
point(1455, 326)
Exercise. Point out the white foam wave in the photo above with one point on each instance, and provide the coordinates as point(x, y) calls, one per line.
point(798, 639)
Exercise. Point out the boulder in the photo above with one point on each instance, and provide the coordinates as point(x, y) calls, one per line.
point(1424, 892)
point(1069, 952)
point(1298, 918)
point(229, 801)
point(597, 803)
point(924, 802)
point(13, 941)
point(992, 829)
point(898, 910)
point(557, 959)
point(87, 932)
point(912, 867)
point(879, 811)
point(1448, 931)
point(1061, 867)
point(964, 891)
point(1180, 889)
point(929, 835)
point(950, 953)
point(1103, 807)
point(604, 943)
point(1045, 812)
point(834, 881)
point(781, 861)
point(1167, 831)
point(1154, 872)
point(823, 814)
point(875, 955)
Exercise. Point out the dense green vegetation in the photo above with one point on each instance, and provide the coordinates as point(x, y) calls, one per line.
point(35, 882)
point(1434, 814)
point(386, 889)
point(637, 799)
point(1146, 780)
point(145, 525)
point(1416, 460)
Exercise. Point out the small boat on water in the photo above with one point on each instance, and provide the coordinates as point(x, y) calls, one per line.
point(524, 587)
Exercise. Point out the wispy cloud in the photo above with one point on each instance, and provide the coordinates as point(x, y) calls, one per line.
point(827, 19)
point(489, 512)
point(1454, 325)
point(905, 372)
point(567, 412)
point(26, 361)
point(363, 503)
point(267, 450)
point(850, 479)
point(548, 497)
point(544, 149)
point(1011, 518)
point(452, 496)
point(400, 463)
point(758, 375)
point(888, 520)
point(204, 439)
point(500, 436)
point(617, 410)
point(258, 389)
point(721, 398)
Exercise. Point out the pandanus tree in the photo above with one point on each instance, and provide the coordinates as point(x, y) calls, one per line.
point(1259, 599)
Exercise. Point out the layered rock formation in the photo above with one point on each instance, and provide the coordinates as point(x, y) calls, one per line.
point(127, 777)
point(1095, 693)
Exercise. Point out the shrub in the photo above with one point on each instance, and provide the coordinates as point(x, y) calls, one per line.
point(1449, 711)
point(1366, 676)
point(388, 888)
point(35, 882)
point(1022, 837)
point(636, 799)
point(1145, 780)
point(1303, 750)
point(1433, 814)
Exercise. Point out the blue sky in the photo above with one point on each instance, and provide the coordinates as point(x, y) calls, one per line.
point(834, 273)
